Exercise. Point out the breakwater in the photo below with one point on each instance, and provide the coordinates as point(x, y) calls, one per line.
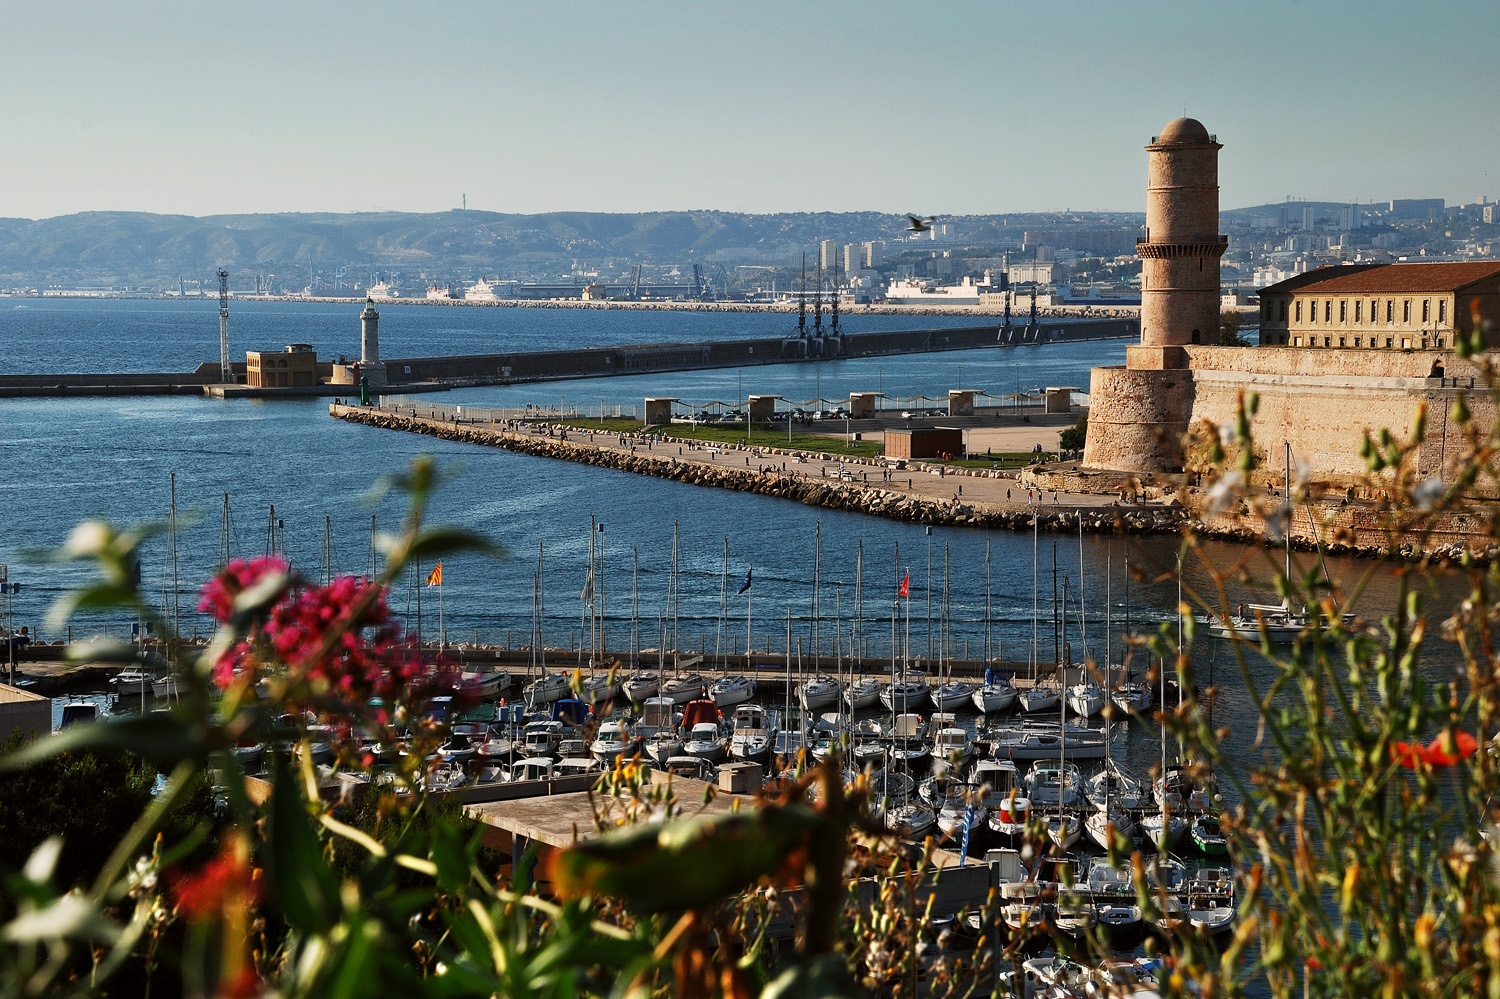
point(440, 372)
point(765, 473)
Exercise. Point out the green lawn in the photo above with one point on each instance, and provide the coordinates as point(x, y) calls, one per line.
point(873, 446)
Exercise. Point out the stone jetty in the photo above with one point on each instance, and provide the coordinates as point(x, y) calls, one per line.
point(797, 476)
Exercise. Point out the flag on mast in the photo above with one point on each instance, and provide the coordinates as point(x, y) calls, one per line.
point(435, 577)
point(746, 586)
point(905, 585)
point(588, 587)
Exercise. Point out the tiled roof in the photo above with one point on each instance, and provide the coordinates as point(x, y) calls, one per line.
point(1380, 279)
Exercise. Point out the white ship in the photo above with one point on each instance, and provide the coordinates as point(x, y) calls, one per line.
point(924, 293)
point(440, 292)
point(481, 291)
point(382, 290)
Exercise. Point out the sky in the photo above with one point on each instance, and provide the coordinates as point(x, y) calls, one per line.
point(946, 108)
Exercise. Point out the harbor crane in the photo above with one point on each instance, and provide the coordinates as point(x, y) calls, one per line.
point(225, 373)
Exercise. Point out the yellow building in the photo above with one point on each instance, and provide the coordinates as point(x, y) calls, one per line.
point(296, 365)
point(1379, 306)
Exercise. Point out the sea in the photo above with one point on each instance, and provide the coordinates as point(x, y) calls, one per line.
point(252, 477)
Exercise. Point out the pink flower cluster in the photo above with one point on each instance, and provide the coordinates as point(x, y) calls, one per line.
point(340, 637)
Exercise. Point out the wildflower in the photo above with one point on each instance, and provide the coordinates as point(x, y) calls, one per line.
point(226, 883)
point(1444, 751)
point(1428, 492)
point(238, 576)
point(1225, 491)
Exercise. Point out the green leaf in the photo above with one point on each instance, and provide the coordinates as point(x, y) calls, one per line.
point(159, 738)
point(445, 540)
point(304, 884)
point(71, 917)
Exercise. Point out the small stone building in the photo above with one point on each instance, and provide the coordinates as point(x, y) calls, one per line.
point(297, 365)
point(924, 443)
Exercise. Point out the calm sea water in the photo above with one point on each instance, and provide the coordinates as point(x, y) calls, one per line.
point(68, 460)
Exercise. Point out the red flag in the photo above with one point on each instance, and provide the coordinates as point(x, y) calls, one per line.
point(435, 577)
point(905, 585)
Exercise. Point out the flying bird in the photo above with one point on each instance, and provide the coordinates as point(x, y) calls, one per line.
point(914, 224)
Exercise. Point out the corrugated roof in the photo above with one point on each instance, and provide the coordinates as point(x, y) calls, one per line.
point(1380, 279)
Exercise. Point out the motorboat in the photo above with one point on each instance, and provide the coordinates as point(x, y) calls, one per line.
point(132, 681)
point(1164, 830)
point(728, 691)
point(548, 688)
point(541, 738)
point(750, 737)
point(862, 693)
point(1210, 912)
point(952, 750)
point(1064, 829)
point(789, 748)
point(497, 743)
point(599, 689)
point(1113, 786)
point(961, 805)
point(1099, 823)
point(695, 767)
point(705, 740)
point(1011, 816)
point(613, 740)
point(1027, 739)
point(1053, 784)
point(578, 766)
point(1074, 916)
point(664, 745)
point(908, 747)
point(867, 744)
point(1208, 834)
point(1086, 699)
point(1059, 974)
point(819, 692)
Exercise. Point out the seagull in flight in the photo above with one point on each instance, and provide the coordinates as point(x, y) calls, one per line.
point(914, 224)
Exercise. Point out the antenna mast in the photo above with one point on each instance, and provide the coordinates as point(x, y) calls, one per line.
point(225, 374)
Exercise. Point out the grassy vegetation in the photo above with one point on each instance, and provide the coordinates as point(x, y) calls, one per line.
point(759, 436)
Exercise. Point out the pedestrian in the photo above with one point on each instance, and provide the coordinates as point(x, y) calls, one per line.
point(1007, 495)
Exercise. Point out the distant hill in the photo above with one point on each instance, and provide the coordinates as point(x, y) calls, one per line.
point(154, 252)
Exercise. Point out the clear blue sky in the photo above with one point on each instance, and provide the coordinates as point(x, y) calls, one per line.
point(945, 108)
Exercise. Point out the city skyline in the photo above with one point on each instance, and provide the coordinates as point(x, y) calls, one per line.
point(969, 109)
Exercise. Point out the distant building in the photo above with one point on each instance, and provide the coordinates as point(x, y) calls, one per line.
point(1040, 272)
point(827, 254)
point(854, 257)
point(874, 254)
point(1378, 306)
point(1418, 209)
point(297, 365)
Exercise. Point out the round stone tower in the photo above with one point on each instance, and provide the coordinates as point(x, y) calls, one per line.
point(1181, 251)
point(369, 334)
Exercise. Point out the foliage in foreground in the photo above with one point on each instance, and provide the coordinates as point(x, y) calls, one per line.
point(1363, 829)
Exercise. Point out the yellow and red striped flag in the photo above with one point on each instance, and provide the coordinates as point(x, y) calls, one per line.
point(435, 577)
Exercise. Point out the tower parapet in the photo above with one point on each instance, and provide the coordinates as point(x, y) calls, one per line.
point(1182, 246)
point(370, 365)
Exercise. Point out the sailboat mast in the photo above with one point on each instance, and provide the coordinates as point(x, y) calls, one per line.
point(859, 606)
point(374, 558)
point(988, 654)
point(672, 604)
point(1083, 615)
point(635, 607)
point(172, 523)
point(817, 566)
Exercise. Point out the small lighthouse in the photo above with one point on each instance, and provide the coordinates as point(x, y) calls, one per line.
point(370, 365)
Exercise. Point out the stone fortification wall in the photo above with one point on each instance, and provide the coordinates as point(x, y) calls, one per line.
point(1322, 401)
point(1137, 418)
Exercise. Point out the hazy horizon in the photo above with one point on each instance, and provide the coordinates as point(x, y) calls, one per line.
point(967, 108)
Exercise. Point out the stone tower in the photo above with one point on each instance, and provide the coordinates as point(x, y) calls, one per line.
point(370, 364)
point(1138, 414)
point(1181, 251)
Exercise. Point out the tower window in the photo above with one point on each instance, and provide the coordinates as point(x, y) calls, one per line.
point(1283, 311)
point(1299, 311)
point(1197, 337)
point(1359, 312)
point(1442, 309)
point(1426, 309)
point(1312, 312)
point(1328, 311)
point(1343, 310)
point(1405, 311)
point(1390, 311)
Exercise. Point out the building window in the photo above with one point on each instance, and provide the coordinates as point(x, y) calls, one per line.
point(1388, 342)
point(1283, 311)
point(1372, 311)
point(1328, 311)
point(1265, 311)
point(1341, 342)
point(1390, 311)
point(1439, 343)
point(1297, 342)
point(1298, 311)
point(1359, 312)
point(1328, 341)
point(1357, 341)
point(1442, 309)
point(1343, 310)
point(1405, 311)
point(1426, 309)
point(1312, 312)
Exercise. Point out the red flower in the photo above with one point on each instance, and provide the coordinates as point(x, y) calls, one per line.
point(1436, 753)
point(237, 577)
point(225, 882)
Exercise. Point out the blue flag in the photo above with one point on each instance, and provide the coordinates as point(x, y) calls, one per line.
point(746, 586)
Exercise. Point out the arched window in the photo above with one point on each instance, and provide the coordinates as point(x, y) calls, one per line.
point(1197, 337)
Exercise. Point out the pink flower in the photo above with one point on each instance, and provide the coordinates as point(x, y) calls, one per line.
point(238, 576)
